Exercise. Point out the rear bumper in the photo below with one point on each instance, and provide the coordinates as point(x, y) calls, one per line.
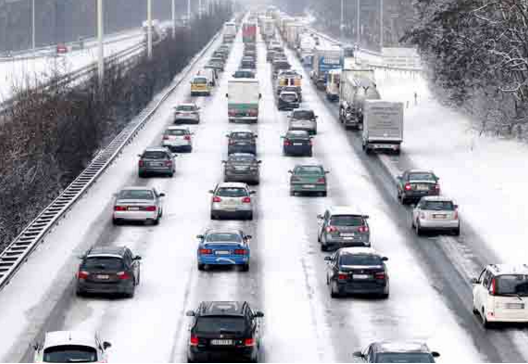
point(306, 187)
point(135, 215)
point(417, 195)
point(215, 355)
point(284, 106)
point(358, 240)
point(185, 119)
point(234, 119)
point(301, 150)
point(439, 224)
point(223, 260)
point(242, 149)
point(236, 177)
point(105, 288)
point(362, 288)
point(236, 214)
point(155, 171)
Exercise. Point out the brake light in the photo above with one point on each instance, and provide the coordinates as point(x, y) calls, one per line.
point(120, 208)
point(342, 276)
point(240, 251)
point(249, 342)
point(407, 187)
point(456, 214)
point(187, 137)
point(321, 180)
point(380, 275)
point(232, 112)
point(206, 251)
point(310, 142)
point(193, 340)
point(123, 275)
point(287, 143)
point(436, 187)
point(141, 163)
point(150, 208)
point(231, 142)
point(168, 163)
point(246, 200)
point(82, 274)
point(217, 199)
point(493, 287)
point(331, 229)
point(166, 137)
point(363, 229)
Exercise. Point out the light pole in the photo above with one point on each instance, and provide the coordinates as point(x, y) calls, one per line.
point(100, 34)
point(341, 25)
point(188, 12)
point(173, 10)
point(381, 24)
point(200, 9)
point(33, 24)
point(149, 32)
point(358, 7)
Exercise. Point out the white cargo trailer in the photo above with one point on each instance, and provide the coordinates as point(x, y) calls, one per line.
point(382, 126)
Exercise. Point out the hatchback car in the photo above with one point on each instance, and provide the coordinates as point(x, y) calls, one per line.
point(242, 141)
point(223, 247)
point(244, 73)
point(232, 199)
point(218, 66)
point(218, 60)
point(177, 138)
point(357, 271)
point(248, 63)
point(343, 226)
point(156, 161)
point(138, 204)
point(296, 89)
point(288, 101)
point(303, 119)
point(436, 213)
point(414, 184)
point(108, 270)
point(308, 178)
point(279, 64)
point(224, 330)
point(242, 167)
point(297, 142)
point(397, 352)
point(270, 55)
point(500, 294)
point(186, 114)
point(71, 347)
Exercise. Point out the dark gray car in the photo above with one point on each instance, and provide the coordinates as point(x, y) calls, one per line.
point(108, 270)
point(242, 141)
point(242, 167)
point(343, 227)
point(156, 161)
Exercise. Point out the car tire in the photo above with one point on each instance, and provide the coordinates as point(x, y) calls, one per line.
point(117, 222)
point(189, 149)
point(131, 294)
point(456, 232)
point(412, 224)
point(403, 200)
point(171, 174)
point(245, 268)
point(213, 216)
point(189, 360)
point(310, 154)
point(156, 221)
point(418, 229)
point(79, 293)
point(250, 216)
point(141, 175)
point(324, 194)
point(201, 267)
point(485, 323)
point(324, 248)
point(334, 291)
point(384, 296)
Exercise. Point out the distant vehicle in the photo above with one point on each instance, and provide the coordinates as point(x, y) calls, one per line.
point(324, 60)
point(244, 73)
point(230, 32)
point(343, 226)
point(303, 119)
point(250, 53)
point(288, 101)
point(231, 199)
point(332, 84)
point(61, 48)
point(249, 63)
point(223, 247)
point(249, 32)
point(297, 142)
point(414, 184)
point(436, 213)
point(186, 114)
point(357, 271)
point(279, 65)
point(177, 138)
point(355, 86)
point(200, 85)
point(138, 204)
point(308, 179)
point(382, 126)
point(108, 270)
point(224, 330)
point(71, 347)
point(243, 98)
point(242, 167)
point(287, 78)
point(296, 89)
point(499, 294)
point(397, 352)
point(270, 55)
point(156, 161)
point(242, 141)
point(216, 65)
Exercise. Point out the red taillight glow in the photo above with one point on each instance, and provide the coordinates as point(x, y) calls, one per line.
point(150, 208)
point(380, 275)
point(217, 199)
point(168, 163)
point(436, 187)
point(240, 251)
point(287, 143)
point(141, 163)
point(493, 287)
point(187, 137)
point(206, 251)
point(123, 275)
point(82, 274)
point(120, 208)
point(363, 229)
point(408, 187)
point(321, 180)
point(193, 340)
point(166, 137)
point(232, 112)
point(342, 277)
point(246, 200)
point(331, 229)
point(249, 342)
point(456, 215)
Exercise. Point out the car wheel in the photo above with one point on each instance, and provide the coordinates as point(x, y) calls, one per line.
point(419, 231)
point(171, 174)
point(485, 323)
point(245, 268)
point(334, 291)
point(324, 248)
point(141, 175)
point(189, 360)
point(324, 194)
point(403, 200)
point(213, 216)
point(250, 216)
point(117, 221)
point(189, 149)
point(412, 224)
point(131, 293)
point(310, 154)
point(156, 221)
point(79, 293)
point(201, 266)
point(292, 193)
point(456, 232)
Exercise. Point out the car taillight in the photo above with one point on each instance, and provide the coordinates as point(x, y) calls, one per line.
point(436, 187)
point(287, 142)
point(120, 208)
point(456, 215)
point(331, 229)
point(493, 287)
point(150, 208)
point(249, 342)
point(168, 163)
point(321, 180)
point(380, 275)
point(408, 187)
point(232, 112)
point(310, 142)
point(231, 142)
point(240, 251)
point(246, 200)
point(187, 137)
point(217, 199)
point(82, 274)
point(363, 229)
point(342, 276)
point(206, 251)
point(193, 341)
point(166, 137)
point(123, 275)
point(141, 163)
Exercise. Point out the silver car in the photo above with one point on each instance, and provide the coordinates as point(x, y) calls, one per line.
point(436, 213)
point(187, 114)
point(177, 138)
point(303, 119)
point(232, 199)
point(138, 204)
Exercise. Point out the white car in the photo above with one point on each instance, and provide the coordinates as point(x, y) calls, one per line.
point(71, 347)
point(500, 294)
point(232, 199)
point(137, 204)
point(178, 138)
point(436, 213)
point(187, 113)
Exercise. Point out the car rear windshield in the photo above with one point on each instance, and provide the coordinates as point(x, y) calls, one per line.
point(438, 206)
point(241, 135)
point(303, 114)
point(514, 284)
point(136, 195)
point(404, 358)
point(360, 259)
point(155, 155)
point(185, 108)
point(315, 170)
point(289, 97)
point(176, 132)
point(281, 65)
point(248, 64)
point(103, 263)
point(346, 220)
point(200, 80)
point(223, 237)
point(231, 192)
point(70, 354)
point(217, 324)
point(242, 158)
point(421, 177)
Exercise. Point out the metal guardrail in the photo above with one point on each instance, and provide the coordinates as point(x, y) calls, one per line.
point(17, 253)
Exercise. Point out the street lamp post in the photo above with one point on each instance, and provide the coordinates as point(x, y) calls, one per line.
point(149, 32)
point(358, 7)
point(100, 34)
point(342, 25)
point(33, 24)
point(381, 23)
point(188, 12)
point(173, 10)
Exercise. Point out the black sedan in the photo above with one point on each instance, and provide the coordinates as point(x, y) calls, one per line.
point(357, 271)
point(242, 141)
point(414, 184)
point(297, 142)
point(288, 101)
point(242, 167)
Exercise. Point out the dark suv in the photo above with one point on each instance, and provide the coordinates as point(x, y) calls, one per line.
point(110, 270)
point(156, 161)
point(224, 330)
point(397, 352)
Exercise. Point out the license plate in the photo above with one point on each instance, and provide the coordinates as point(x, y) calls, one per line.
point(360, 276)
point(156, 164)
point(102, 276)
point(348, 238)
point(422, 187)
point(515, 306)
point(242, 143)
point(222, 252)
point(133, 208)
point(231, 202)
point(439, 216)
point(221, 342)
point(298, 144)
point(309, 186)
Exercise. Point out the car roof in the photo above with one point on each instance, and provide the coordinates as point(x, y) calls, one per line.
point(156, 149)
point(344, 210)
point(358, 250)
point(499, 269)
point(214, 308)
point(176, 127)
point(437, 198)
point(223, 231)
point(56, 338)
point(401, 346)
point(116, 251)
point(189, 103)
point(232, 184)
point(137, 188)
point(419, 171)
point(242, 155)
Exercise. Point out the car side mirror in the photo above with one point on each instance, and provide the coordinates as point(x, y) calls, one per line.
point(435, 354)
point(384, 259)
point(358, 354)
point(290, 171)
point(137, 257)
point(161, 194)
point(249, 236)
point(199, 236)
point(328, 258)
point(366, 216)
point(260, 96)
point(474, 281)
point(224, 162)
point(259, 314)
point(259, 161)
point(190, 313)
point(252, 192)
point(139, 155)
point(317, 116)
point(106, 345)
point(211, 191)
point(227, 95)
point(174, 155)
point(456, 206)
point(320, 217)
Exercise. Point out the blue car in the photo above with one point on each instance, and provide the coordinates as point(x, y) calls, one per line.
point(223, 247)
